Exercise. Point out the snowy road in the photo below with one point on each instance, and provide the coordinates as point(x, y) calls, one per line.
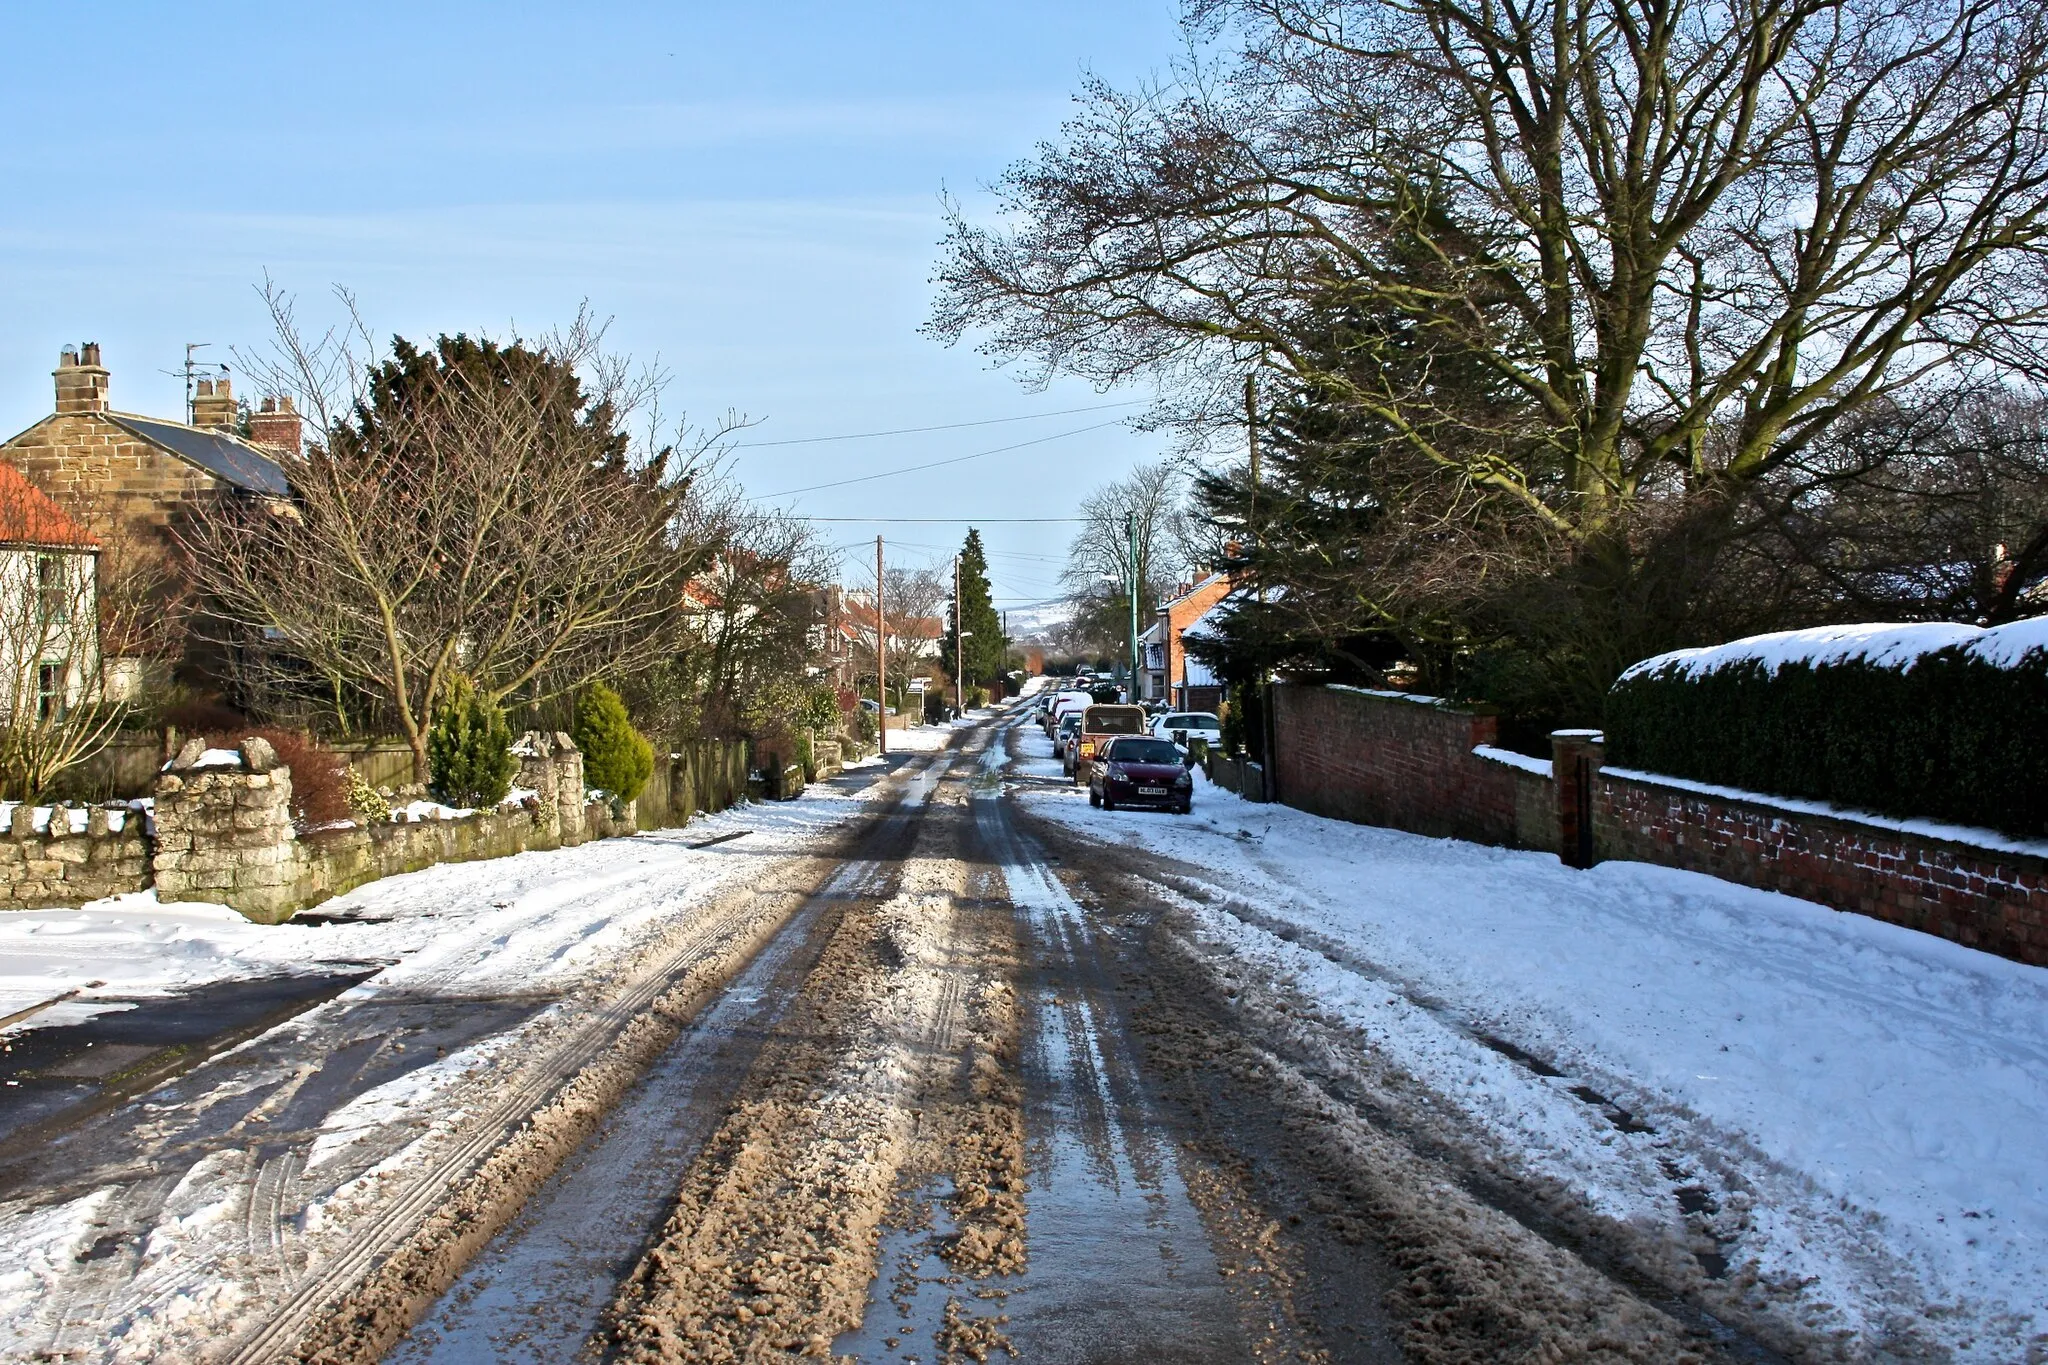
point(956, 1065)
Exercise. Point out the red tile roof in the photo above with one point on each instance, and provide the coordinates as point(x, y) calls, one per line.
point(28, 517)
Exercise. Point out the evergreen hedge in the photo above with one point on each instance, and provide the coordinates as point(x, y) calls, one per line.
point(616, 757)
point(469, 749)
point(1958, 732)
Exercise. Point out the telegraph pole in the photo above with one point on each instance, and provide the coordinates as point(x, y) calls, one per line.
point(881, 662)
point(1131, 537)
point(959, 653)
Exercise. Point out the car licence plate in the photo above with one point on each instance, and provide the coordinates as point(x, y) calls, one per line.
point(1151, 791)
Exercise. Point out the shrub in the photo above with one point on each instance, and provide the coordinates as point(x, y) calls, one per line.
point(977, 697)
point(366, 801)
point(1231, 722)
point(863, 725)
point(807, 755)
point(616, 757)
point(469, 749)
point(319, 775)
point(1942, 722)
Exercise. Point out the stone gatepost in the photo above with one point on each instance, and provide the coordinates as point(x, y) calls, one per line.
point(224, 830)
point(552, 766)
point(1575, 757)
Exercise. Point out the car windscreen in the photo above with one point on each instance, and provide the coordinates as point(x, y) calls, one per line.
point(1071, 721)
point(1144, 751)
point(1114, 720)
point(1193, 720)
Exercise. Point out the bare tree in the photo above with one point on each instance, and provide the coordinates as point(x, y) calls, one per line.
point(56, 707)
point(1145, 512)
point(475, 510)
point(1684, 237)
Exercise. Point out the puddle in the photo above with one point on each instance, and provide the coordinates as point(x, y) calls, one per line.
point(1121, 1268)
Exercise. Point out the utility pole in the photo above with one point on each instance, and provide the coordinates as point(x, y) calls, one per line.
point(1131, 537)
point(959, 653)
point(881, 662)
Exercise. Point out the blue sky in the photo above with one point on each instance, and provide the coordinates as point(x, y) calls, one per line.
point(751, 192)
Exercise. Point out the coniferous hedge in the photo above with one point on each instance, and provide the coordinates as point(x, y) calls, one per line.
point(616, 758)
point(1956, 733)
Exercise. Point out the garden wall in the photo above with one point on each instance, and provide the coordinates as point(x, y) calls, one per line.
point(70, 861)
point(1968, 889)
point(1406, 762)
point(1415, 764)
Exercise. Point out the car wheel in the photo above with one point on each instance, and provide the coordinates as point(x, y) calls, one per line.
point(1107, 804)
point(1182, 808)
point(1094, 798)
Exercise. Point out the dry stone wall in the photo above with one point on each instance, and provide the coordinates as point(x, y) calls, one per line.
point(62, 864)
point(224, 830)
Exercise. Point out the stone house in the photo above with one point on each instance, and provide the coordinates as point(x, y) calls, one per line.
point(130, 481)
point(1169, 675)
point(128, 477)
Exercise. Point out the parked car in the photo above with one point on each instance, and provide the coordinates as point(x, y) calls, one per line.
point(1182, 726)
point(1065, 704)
point(1063, 741)
point(1140, 770)
point(1100, 724)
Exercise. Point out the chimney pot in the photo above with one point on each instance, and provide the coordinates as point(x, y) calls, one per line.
point(81, 380)
point(275, 426)
point(213, 404)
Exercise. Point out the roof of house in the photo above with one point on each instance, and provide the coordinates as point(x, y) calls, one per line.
point(1194, 588)
point(28, 517)
point(228, 458)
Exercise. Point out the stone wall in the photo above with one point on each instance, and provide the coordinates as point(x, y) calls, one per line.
point(224, 830)
point(69, 863)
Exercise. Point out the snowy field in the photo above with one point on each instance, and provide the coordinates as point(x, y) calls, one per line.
point(1867, 1106)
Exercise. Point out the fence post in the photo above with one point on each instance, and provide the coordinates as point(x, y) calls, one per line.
point(1575, 757)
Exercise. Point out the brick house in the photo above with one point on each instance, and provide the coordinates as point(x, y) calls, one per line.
point(1169, 675)
point(129, 478)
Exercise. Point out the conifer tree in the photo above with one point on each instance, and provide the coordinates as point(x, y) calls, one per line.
point(616, 757)
point(469, 749)
point(984, 647)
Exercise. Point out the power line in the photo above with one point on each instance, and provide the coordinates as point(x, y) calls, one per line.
point(914, 468)
point(945, 521)
point(948, 426)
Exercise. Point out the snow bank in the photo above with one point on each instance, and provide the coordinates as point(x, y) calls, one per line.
point(1864, 1102)
point(1882, 646)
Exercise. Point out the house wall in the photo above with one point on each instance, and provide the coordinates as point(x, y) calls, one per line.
point(123, 489)
point(1181, 613)
point(28, 640)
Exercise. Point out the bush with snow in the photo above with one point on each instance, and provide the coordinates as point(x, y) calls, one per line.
point(1908, 720)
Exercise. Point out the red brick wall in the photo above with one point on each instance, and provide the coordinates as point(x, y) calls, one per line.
point(1388, 760)
point(1976, 897)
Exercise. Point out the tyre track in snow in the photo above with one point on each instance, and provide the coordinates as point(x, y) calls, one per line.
point(361, 1298)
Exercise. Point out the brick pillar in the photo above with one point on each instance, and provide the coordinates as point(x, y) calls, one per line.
point(1574, 763)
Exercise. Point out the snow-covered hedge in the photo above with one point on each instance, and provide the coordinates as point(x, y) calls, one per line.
point(1947, 721)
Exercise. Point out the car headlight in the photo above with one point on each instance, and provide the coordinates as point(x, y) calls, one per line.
point(1183, 781)
point(1116, 770)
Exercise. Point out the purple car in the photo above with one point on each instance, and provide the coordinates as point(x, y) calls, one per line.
point(1137, 770)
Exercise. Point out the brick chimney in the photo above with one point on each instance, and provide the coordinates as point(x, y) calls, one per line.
point(275, 426)
point(81, 380)
point(213, 404)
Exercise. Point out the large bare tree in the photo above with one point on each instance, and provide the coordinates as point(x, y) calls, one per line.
point(474, 509)
point(1683, 237)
